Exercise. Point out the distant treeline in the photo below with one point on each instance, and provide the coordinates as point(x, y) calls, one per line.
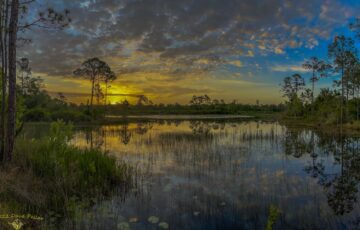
point(35, 104)
point(197, 105)
point(40, 106)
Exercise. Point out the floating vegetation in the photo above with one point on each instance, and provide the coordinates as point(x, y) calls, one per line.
point(16, 224)
point(123, 226)
point(164, 225)
point(153, 219)
point(133, 219)
point(274, 213)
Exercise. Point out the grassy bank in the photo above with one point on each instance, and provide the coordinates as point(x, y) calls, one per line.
point(352, 127)
point(52, 179)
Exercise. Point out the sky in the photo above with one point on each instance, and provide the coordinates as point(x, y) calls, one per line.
point(170, 50)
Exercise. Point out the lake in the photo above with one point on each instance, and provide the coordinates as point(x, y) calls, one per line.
point(225, 175)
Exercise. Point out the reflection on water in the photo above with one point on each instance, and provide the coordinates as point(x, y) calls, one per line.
point(226, 175)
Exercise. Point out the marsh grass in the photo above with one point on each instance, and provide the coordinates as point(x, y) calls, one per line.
point(274, 213)
point(51, 176)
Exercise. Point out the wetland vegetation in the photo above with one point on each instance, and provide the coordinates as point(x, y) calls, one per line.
point(205, 163)
point(191, 174)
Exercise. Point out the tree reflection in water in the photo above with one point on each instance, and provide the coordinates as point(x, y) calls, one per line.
point(323, 168)
point(341, 186)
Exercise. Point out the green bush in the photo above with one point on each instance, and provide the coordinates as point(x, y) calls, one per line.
point(68, 115)
point(36, 114)
point(295, 107)
point(70, 173)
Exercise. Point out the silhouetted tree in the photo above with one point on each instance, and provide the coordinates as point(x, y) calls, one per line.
point(93, 69)
point(25, 71)
point(343, 52)
point(318, 68)
point(292, 85)
point(109, 76)
point(307, 96)
point(200, 100)
point(142, 99)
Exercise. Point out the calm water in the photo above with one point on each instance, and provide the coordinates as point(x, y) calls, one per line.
point(226, 175)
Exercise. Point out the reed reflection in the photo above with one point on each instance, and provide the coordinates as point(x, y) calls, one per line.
point(237, 168)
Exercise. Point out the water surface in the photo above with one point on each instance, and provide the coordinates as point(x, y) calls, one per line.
point(227, 175)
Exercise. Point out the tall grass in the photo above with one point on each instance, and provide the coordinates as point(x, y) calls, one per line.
point(69, 175)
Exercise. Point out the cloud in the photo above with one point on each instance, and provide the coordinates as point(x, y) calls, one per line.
point(236, 63)
point(288, 68)
point(278, 50)
point(181, 39)
point(250, 53)
point(180, 29)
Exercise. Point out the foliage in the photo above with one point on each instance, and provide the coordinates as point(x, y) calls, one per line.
point(319, 69)
point(39, 106)
point(329, 106)
point(177, 109)
point(292, 85)
point(295, 106)
point(69, 173)
point(96, 71)
point(69, 115)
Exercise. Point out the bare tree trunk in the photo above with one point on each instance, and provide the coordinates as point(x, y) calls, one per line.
point(22, 83)
point(11, 125)
point(106, 93)
point(3, 87)
point(342, 97)
point(313, 88)
point(357, 104)
point(3, 49)
point(92, 92)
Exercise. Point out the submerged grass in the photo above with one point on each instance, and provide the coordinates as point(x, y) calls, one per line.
point(51, 176)
point(274, 213)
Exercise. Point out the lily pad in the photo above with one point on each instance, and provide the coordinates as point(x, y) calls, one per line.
point(133, 219)
point(123, 226)
point(164, 225)
point(153, 219)
point(17, 224)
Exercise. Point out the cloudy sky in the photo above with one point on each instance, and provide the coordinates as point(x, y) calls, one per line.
point(170, 50)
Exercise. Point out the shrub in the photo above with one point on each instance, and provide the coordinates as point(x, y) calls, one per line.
point(68, 115)
point(37, 114)
point(70, 173)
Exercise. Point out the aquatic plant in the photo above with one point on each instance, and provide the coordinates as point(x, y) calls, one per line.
point(274, 213)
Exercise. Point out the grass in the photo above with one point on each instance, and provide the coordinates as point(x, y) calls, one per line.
point(349, 128)
point(273, 216)
point(50, 176)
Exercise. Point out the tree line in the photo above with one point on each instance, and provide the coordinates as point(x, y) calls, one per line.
point(201, 104)
point(336, 104)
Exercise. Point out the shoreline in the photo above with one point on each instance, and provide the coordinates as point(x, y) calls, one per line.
point(180, 117)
